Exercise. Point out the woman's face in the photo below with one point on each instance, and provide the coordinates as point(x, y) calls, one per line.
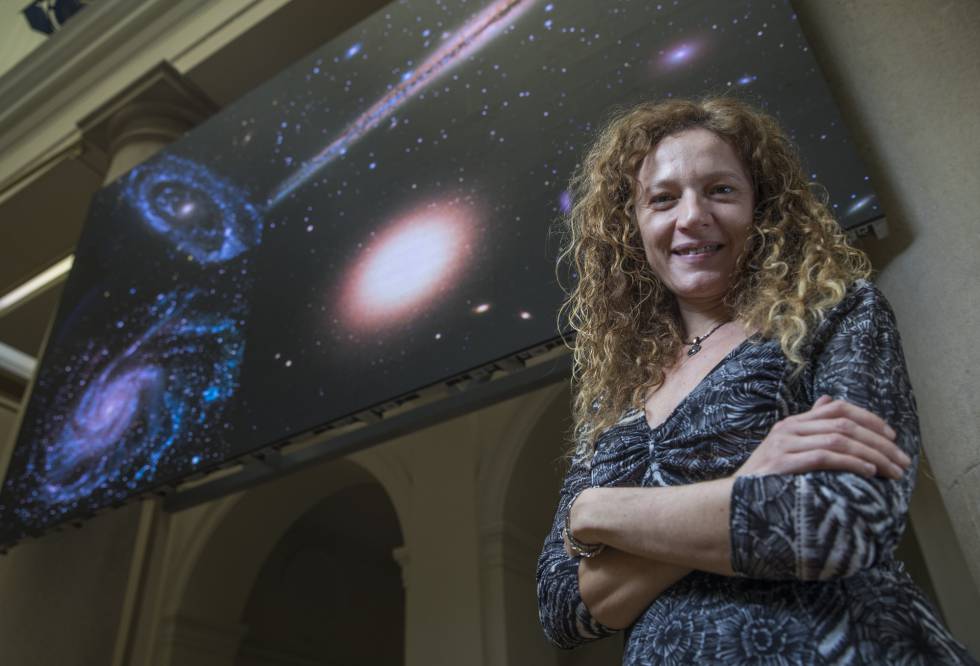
point(694, 209)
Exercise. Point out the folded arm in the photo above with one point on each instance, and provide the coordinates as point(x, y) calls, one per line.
point(684, 526)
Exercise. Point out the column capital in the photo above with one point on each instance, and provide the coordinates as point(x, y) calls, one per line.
point(154, 110)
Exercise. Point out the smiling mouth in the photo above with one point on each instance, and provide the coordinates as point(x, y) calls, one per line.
point(703, 249)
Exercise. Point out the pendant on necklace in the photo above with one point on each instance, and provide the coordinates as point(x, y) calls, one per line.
point(698, 339)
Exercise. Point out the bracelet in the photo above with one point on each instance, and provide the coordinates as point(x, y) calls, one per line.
point(579, 549)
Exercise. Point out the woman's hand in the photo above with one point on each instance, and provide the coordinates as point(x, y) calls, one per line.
point(832, 435)
point(581, 500)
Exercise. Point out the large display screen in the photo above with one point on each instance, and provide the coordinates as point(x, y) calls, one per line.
point(373, 220)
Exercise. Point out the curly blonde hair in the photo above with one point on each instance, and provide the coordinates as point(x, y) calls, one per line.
point(796, 264)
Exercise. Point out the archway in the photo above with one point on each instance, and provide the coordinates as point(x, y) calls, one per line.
point(203, 621)
point(330, 587)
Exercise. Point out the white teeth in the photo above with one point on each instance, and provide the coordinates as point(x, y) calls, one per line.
point(698, 250)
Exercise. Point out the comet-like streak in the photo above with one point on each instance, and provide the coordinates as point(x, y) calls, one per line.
point(475, 34)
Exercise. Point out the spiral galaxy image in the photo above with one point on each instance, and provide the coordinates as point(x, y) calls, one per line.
point(119, 414)
point(200, 213)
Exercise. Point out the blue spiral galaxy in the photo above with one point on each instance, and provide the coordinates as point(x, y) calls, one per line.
point(201, 213)
point(117, 416)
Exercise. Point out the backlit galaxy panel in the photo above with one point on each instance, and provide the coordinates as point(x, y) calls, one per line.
point(374, 219)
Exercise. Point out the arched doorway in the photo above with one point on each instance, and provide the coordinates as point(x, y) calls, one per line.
point(330, 588)
point(274, 535)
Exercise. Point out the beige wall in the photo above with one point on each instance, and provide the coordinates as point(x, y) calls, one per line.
point(907, 76)
point(63, 594)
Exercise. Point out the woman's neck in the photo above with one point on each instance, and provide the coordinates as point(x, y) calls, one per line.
point(699, 318)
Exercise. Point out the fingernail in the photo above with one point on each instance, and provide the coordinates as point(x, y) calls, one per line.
point(891, 432)
point(906, 461)
point(870, 469)
point(896, 471)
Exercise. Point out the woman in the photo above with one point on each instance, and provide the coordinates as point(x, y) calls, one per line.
point(746, 432)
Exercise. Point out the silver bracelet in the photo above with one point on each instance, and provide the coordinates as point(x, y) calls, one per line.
point(579, 549)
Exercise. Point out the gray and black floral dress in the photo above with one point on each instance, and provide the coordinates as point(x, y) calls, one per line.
point(817, 581)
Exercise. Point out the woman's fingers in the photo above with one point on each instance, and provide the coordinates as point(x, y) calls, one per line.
point(887, 452)
point(821, 401)
point(837, 408)
point(836, 443)
point(833, 435)
point(826, 460)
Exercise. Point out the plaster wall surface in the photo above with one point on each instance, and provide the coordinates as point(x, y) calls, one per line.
point(442, 593)
point(63, 593)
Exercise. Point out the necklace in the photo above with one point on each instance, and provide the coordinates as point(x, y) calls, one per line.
point(695, 346)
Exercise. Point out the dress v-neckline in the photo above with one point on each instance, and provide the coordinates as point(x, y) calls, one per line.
point(697, 387)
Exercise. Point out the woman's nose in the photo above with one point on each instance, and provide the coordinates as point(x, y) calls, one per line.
point(692, 211)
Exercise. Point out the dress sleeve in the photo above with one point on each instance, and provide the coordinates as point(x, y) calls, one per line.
point(566, 621)
point(824, 525)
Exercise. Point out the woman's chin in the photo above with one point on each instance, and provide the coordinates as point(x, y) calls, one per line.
point(705, 288)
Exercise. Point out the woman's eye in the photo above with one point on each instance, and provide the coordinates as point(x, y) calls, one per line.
point(723, 189)
point(660, 199)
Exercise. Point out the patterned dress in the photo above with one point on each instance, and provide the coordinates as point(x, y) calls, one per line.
point(816, 578)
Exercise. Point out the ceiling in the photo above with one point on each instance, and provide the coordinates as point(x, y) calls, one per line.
point(41, 223)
